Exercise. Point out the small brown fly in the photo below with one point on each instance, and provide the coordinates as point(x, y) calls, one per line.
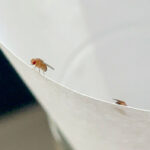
point(120, 102)
point(39, 63)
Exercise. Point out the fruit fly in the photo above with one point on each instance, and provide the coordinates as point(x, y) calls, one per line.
point(120, 102)
point(39, 63)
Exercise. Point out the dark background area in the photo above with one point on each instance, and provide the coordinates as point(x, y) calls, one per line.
point(13, 92)
point(23, 123)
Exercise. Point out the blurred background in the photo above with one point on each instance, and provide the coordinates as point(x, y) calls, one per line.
point(23, 123)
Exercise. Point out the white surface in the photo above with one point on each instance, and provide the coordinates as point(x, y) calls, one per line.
point(87, 123)
point(115, 65)
point(49, 29)
point(99, 48)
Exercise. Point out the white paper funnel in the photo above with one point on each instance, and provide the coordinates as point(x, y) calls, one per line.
point(100, 51)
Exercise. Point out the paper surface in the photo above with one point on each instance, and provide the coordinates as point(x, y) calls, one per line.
point(87, 123)
point(99, 48)
point(90, 44)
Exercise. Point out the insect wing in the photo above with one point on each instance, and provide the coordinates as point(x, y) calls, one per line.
point(50, 66)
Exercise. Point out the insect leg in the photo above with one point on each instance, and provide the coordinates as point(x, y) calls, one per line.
point(34, 68)
point(43, 73)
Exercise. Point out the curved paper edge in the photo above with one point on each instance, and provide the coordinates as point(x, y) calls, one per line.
point(87, 123)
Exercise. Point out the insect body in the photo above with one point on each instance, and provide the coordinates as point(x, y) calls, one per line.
point(120, 102)
point(40, 64)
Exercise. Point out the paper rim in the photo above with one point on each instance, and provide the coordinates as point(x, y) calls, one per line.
point(3, 46)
